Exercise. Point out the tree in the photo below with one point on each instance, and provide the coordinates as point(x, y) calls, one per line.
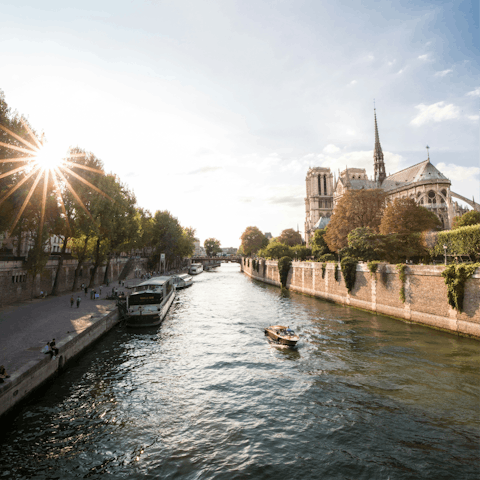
point(318, 244)
point(404, 216)
point(363, 244)
point(301, 252)
point(290, 237)
point(470, 218)
point(212, 246)
point(275, 250)
point(253, 240)
point(357, 208)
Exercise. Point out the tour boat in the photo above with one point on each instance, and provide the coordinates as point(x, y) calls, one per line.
point(149, 302)
point(196, 268)
point(182, 281)
point(282, 335)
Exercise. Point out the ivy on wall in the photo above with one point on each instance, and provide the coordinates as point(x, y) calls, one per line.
point(373, 266)
point(336, 271)
point(401, 269)
point(349, 271)
point(455, 278)
point(324, 268)
point(284, 265)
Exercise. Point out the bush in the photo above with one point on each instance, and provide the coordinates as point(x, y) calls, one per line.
point(301, 252)
point(336, 272)
point(324, 268)
point(401, 269)
point(284, 265)
point(275, 250)
point(455, 278)
point(349, 271)
point(328, 257)
point(461, 241)
point(373, 266)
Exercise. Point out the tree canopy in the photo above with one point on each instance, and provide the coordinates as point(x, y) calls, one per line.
point(357, 208)
point(318, 244)
point(253, 240)
point(212, 246)
point(470, 218)
point(290, 237)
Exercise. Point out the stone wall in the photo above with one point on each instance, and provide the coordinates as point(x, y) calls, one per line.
point(425, 291)
point(16, 284)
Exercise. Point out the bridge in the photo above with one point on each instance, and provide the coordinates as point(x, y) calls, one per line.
point(216, 261)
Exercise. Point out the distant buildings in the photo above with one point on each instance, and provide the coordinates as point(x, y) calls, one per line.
point(422, 182)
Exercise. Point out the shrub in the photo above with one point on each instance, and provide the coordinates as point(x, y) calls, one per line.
point(336, 272)
point(349, 271)
point(284, 265)
point(324, 267)
point(373, 266)
point(254, 264)
point(461, 241)
point(328, 257)
point(401, 269)
point(455, 278)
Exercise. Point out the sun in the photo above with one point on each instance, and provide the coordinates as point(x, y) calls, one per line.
point(49, 156)
point(49, 160)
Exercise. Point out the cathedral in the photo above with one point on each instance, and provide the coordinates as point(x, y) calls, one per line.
point(423, 182)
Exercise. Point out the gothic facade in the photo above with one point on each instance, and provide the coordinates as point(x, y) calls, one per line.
point(422, 182)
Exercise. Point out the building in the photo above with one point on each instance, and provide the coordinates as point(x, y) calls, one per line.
point(199, 249)
point(422, 182)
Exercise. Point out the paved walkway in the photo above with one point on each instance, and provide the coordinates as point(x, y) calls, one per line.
point(27, 326)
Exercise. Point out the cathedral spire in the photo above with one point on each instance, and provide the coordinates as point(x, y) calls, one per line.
point(378, 155)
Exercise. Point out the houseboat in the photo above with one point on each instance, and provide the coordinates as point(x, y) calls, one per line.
point(149, 302)
point(182, 281)
point(196, 268)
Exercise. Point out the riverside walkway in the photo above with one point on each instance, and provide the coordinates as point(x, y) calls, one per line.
point(27, 326)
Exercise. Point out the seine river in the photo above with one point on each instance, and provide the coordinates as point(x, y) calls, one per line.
point(205, 396)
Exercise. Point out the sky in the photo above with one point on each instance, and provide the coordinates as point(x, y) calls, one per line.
point(215, 110)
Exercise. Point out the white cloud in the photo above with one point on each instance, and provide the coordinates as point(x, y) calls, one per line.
point(443, 73)
point(474, 93)
point(473, 117)
point(392, 62)
point(437, 112)
point(331, 148)
point(353, 82)
point(423, 57)
point(400, 71)
point(457, 172)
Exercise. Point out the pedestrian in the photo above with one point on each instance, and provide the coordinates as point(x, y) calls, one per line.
point(48, 350)
point(83, 286)
point(54, 348)
point(92, 294)
point(78, 301)
point(86, 291)
point(100, 288)
point(71, 301)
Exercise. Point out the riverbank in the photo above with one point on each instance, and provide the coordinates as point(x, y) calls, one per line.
point(425, 292)
point(26, 327)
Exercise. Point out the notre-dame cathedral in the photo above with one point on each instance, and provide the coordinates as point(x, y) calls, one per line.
point(423, 182)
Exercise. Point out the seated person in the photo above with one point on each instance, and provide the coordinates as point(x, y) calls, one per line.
point(3, 374)
point(290, 331)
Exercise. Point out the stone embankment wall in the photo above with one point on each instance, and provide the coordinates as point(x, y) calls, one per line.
point(16, 284)
point(425, 292)
point(27, 379)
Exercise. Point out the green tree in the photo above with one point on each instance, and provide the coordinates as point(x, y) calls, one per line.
point(301, 252)
point(290, 237)
point(253, 240)
point(364, 244)
point(318, 244)
point(470, 218)
point(357, 208)
point(212, 246)
point(275, 250)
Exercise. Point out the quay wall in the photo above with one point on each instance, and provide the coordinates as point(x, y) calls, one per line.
point(16, 284)
point(425, 292)
point(30, 377)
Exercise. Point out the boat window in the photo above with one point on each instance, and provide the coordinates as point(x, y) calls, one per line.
point(145, 299)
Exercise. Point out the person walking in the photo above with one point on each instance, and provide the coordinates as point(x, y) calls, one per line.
point(71, 301)
point(100, 288)
point(86, 291)
point(78, 301)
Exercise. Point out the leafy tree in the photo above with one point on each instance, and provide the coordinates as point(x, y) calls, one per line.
point(364, 244)
point(404, 216)
point(212, 246)
point(301, 252)
point(253, 240)
point(318, 244)
point(470, 218)
point(357, 208)
point(290, 237)
point(275, 250)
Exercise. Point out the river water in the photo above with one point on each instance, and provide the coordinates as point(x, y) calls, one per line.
point(206, 396)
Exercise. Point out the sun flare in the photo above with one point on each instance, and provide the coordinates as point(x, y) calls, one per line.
point(49, 156)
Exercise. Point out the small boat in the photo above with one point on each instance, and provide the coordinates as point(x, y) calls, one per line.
point(196, 268)
point(149, 302)
point(282, 335)
point(182, 281)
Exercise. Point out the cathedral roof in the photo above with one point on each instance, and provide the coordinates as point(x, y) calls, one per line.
point(322, 222)
point(416, 173)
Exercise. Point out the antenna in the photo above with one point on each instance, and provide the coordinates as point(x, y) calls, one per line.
point(428, 153)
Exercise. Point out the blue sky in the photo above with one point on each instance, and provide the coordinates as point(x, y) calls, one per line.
point(214, 110)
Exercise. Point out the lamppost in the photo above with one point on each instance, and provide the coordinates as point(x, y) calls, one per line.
point(445, 253)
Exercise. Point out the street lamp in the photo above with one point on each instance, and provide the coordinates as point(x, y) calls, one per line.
point(445, 253)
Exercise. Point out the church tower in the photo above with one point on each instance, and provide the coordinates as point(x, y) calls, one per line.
point(378, 156)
